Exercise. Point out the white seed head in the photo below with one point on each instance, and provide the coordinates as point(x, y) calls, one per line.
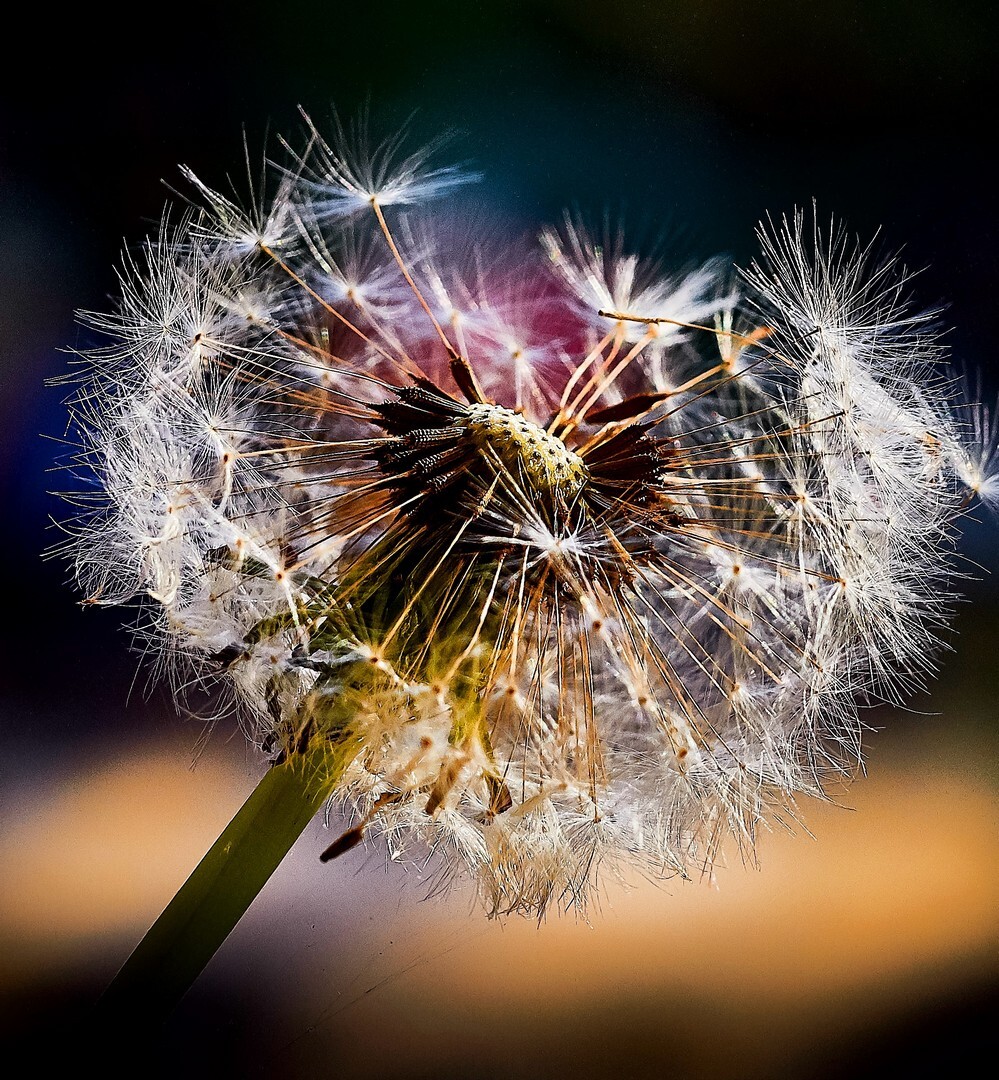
point(553, 589)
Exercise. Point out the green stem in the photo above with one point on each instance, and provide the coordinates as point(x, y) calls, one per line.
point(213, 899)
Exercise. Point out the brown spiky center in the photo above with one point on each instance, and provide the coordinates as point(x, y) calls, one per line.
point(439, 445)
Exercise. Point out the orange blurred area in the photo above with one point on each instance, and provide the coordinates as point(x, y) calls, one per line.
point(881, 924)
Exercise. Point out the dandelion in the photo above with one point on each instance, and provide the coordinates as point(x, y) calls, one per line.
point(541, 560)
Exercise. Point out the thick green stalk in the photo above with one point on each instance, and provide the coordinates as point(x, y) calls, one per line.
point(213, 899)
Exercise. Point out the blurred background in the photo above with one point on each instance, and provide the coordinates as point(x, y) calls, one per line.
point(866, 946)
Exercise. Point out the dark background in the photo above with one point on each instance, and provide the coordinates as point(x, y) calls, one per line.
point(689, 121)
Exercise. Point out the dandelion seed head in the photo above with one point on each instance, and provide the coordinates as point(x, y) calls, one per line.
point(567, 563)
